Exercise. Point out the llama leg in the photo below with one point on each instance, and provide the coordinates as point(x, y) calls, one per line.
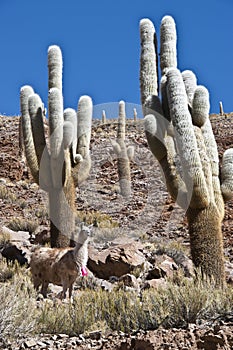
point(36, 283)
point(70, 290)
point(44, 288)
point(64, 288)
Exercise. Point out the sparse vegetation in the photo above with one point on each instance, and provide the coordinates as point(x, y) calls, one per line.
point(7, 195)
point(189, 301)
point(20, 224)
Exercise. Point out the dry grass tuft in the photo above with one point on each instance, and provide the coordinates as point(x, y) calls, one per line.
point(189, 301)
point(19, 224)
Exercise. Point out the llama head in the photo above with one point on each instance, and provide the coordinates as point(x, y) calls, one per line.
point(84, 234)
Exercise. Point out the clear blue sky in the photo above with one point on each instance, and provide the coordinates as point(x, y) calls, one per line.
point(101, 47)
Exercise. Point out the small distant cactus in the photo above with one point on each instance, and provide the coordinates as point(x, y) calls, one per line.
point(180, 136)
point(62, 161)
point(104, 118)
point(124, 154)
point(135, 114)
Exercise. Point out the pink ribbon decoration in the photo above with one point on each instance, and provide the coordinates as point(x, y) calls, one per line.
point(84, 271)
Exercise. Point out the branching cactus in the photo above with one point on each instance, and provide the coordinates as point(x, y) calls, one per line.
point(180, 136)
point(124, 154)
point(60, 161)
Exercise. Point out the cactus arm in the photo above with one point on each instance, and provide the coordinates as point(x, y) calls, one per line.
point(148, 60)
point(165, 106)
point(35, 108)
point(68, 134)
point(84, 115)
point(200, 106)
point(55, 67)
point(130, 152)
point(227, 175)
point(82, 166)
point(121, 121)
point(56, 135)
point(168, 56)
point(55, 121)
point(156, 144)
point(186, 141)
point(70, 115)
point(211, 147)
point(190, 83)
point(164, 151)
point(29, 146)
point(36, 114)
point(81, 170)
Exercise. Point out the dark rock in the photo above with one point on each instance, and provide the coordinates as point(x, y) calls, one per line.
point(115, 261)
point(12, 254)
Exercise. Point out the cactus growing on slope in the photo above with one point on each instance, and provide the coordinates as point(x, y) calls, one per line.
point(180, 136)
point(62, 161)
point(124, 154)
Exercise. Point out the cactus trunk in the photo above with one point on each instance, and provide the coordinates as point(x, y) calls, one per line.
point(206, 241)
point(62, 214)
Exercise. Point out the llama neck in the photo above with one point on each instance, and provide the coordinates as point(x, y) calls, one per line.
point(79, 248)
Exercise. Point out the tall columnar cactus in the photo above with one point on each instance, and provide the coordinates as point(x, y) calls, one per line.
point(180, 136)
point(124, 154)
point(60, 161)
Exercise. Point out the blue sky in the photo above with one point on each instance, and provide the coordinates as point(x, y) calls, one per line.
point(101, 47)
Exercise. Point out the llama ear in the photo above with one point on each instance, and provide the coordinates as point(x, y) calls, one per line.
point(82, 226)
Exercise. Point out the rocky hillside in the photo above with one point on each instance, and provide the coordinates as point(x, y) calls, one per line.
point(149, 216)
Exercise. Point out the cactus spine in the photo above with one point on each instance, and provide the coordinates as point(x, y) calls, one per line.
point(124, 154)
point(62, 161)
point(186, 134)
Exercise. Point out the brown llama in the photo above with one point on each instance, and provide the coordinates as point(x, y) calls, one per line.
point(60, 266)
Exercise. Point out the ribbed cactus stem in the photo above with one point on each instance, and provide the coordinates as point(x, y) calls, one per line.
point(164, 151)
point(55, 121)
point(70, 115)
point(55, 67)
point(168, 55)
point(165, 106)
point(190, 83)
point(221, 111)
point(148, 60)
point(30, 151)
point(121, 121)
point(104, 119)
point(186, 140)
point(68, 134)
point(25, 92)
point(211, 147)
point(36, 113)
point(227, 175)
point(156, 144)
point(200, 106)
point(84, 114)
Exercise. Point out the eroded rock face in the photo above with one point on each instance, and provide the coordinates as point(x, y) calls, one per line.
point(116, 261)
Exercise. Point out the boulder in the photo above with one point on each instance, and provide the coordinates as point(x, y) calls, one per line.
point(116, 261)
point(155, 284)
point(165, 267)
point(12, 254)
